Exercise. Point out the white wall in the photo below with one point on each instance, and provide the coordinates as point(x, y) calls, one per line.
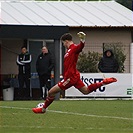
point(122, 88)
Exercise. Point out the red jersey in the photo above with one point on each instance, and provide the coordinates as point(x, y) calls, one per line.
point(70, 60)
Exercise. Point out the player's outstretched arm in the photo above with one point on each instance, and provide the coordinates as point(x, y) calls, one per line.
point(82, 36)
point(80, 46)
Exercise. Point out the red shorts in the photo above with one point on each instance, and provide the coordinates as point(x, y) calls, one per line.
point(73, 81)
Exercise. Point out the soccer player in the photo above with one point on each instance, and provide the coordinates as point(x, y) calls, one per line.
point(71, 75)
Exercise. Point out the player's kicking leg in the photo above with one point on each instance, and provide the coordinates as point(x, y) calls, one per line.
point(86, 90)
point(51, 96)
point(109, 80)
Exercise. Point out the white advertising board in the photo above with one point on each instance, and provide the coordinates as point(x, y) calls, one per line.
point(122, 88)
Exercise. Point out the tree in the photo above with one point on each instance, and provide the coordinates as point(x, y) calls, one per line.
point(87, 62)
point(126, 3)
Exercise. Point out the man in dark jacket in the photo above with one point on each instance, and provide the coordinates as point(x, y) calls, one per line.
point(24, 68)
point(44, 65)
point(108, 64)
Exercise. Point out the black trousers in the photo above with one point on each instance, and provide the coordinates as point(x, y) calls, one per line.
point(45, 83)
point(24, 85)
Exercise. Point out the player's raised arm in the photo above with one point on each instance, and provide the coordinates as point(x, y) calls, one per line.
point(80, 46)
point(82, 36)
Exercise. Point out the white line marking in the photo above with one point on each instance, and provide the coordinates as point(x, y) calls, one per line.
point(90, 128)
point(72, 113)
point(34, 127)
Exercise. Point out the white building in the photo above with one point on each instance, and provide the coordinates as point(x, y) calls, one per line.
point(36, 23)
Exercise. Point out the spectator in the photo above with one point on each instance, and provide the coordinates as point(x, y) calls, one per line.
point(44, 65)
point(108, 64)
point(24, 68)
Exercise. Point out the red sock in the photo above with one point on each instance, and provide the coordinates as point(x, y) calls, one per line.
point(48, 101)
point(94, 86)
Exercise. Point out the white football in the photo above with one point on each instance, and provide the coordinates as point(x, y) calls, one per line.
point(39, 105)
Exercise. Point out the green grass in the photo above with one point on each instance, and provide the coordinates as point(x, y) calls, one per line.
point(93, 116)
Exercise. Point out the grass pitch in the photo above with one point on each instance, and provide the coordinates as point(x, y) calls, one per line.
point(89, 116)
